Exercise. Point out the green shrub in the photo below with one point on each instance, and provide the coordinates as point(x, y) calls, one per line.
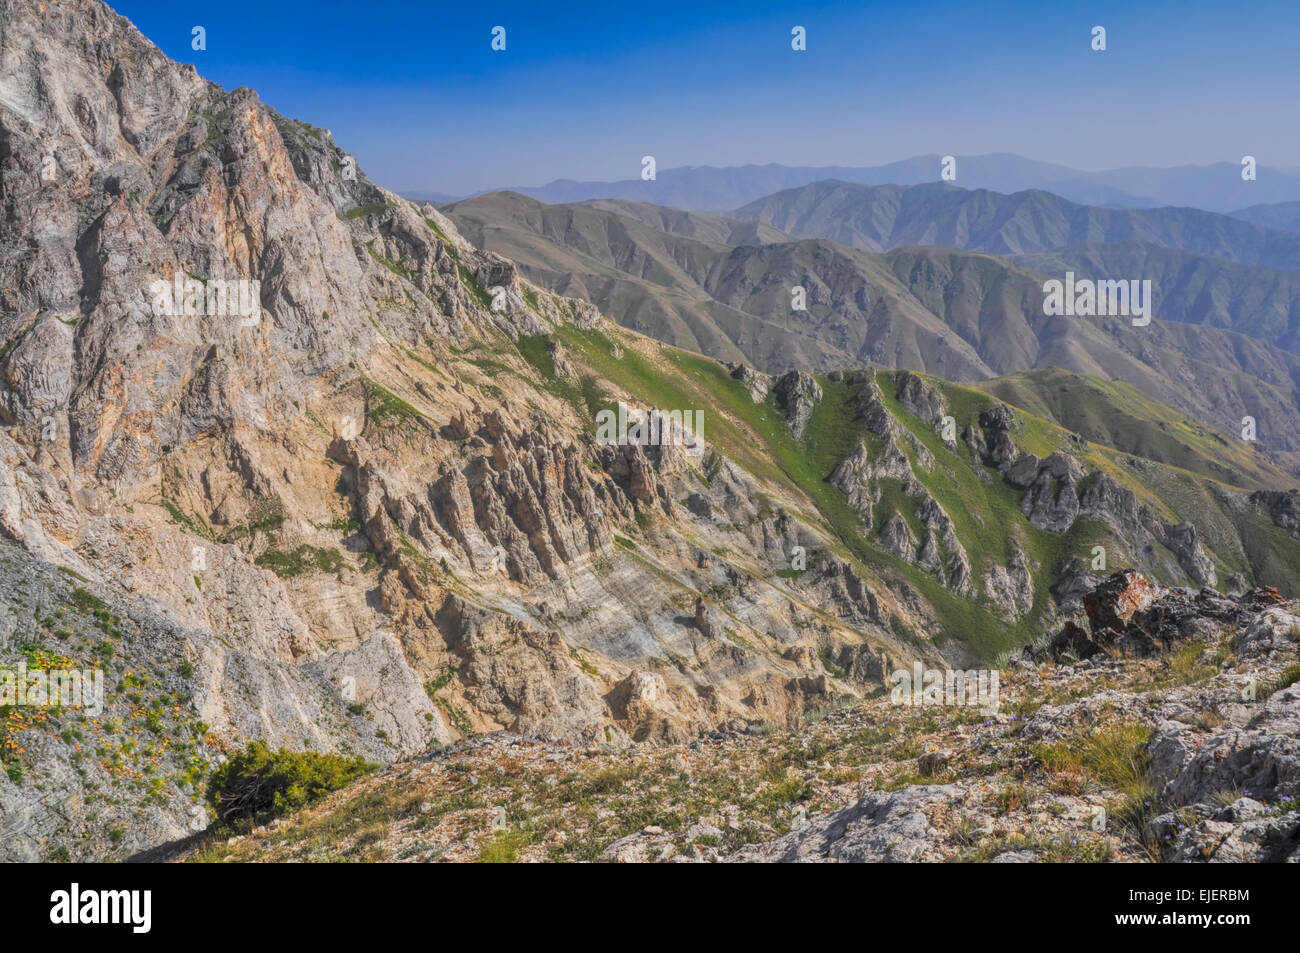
point(259, 784)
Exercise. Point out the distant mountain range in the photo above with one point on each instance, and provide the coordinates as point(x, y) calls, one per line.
point(1205, 268)
point(882, 217)
point(1217, 187)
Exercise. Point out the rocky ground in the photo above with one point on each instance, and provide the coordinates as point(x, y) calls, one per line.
point(1186, 748)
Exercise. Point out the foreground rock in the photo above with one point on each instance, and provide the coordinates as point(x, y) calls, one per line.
point(1130, 615)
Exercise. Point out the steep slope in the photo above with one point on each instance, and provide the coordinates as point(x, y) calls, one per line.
point(1118, 415)
point(354, 472)
point(1218, 376)
point(651, 278)
point(1262, 303)
point(1186, 752)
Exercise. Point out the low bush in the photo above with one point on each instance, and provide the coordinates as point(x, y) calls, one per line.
point(259, 784)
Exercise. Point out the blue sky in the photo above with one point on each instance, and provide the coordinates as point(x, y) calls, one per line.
point(584, 90)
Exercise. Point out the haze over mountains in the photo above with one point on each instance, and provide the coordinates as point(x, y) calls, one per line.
point(1217, 187)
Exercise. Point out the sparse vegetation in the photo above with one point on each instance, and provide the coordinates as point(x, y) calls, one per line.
point(305, 558)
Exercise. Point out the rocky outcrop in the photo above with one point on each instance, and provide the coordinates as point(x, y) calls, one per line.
point(756, 382)
point(1130, 615)
point(998, 425)
point(1052, 501)
point(518, 676)
point(919, 398)
point(1074, 580)
point(856, 475)
point(1283, 507)
point(1211, 757)
point(941, 552)
point(1101, 498)
point(1059, 492)
point(797, 393)
point(709, 620)
point(864, 664)
point(1261, 756)
point(870, 406)
point(1112, 604)
point(898, 539)
point(1011, 588)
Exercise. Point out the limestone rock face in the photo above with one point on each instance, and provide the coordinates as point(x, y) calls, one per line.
point(709, 620)
point(858, 474)
point(898, 538)
point(519, 676)
point(1073, 582)
point(871, 409)
point(797, 393)
point(1002, 451)
point(1262, 757)
point(941, 551)
point(1011, 587)
point(1215, 756)
point(1052, 502)
point(919, 398)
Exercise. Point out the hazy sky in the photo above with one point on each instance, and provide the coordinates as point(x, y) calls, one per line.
point(583, 91)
